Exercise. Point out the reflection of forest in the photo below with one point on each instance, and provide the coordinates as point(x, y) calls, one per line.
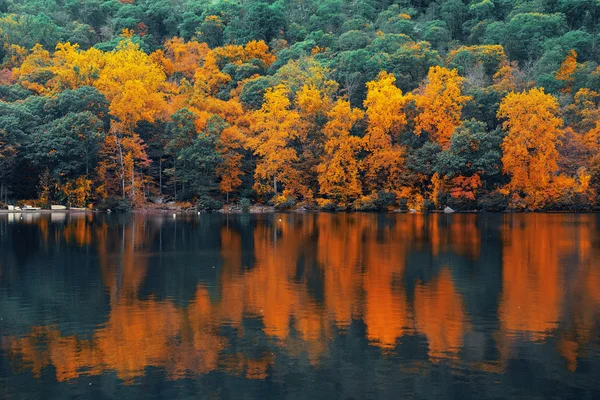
point(310, 278)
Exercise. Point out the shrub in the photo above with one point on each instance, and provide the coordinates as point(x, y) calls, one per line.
point(460, 203)
point(115, 204)
point(326, 205)
point(428, 205)
point(492, 201)
point(244, 204)
point(283, 202)
point(576, 202)
point(208, 204)
point(32, 203)
point(366, 203)
point(385, 200)
point(307, 205)
point(403, 204)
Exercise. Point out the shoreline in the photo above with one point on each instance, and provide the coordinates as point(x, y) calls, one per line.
point(271, 210)
point(45, 211)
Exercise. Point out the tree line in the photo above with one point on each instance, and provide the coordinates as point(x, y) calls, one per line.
point(334, 105)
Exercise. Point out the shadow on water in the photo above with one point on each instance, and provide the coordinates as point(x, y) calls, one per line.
point(299, 305)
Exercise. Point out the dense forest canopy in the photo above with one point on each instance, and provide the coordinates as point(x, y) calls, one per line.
point(334, 104)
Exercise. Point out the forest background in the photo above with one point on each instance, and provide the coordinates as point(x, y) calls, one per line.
point(330, 104)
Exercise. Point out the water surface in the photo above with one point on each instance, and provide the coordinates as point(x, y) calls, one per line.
point(299, 306)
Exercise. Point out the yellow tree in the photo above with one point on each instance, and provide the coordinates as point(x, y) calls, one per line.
point(312, 104)
point(133, 84)
point(529, 149)
point(39, 60)
point(386, 119)
point(440, 104)
point(273, 128)
point(73, 68)
point(339, 170)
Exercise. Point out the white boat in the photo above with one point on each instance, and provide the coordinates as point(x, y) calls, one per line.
point(27, 207)
point(58, 207)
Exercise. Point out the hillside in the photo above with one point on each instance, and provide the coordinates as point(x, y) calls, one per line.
point(363, 105)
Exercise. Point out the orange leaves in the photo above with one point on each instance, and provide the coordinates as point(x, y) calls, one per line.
point(530, 154)
point(258, 49)
point(440, 104)
point(465, 186)
point(186, 56)
point(566, 71)
point(230, 146)
point(77, 191)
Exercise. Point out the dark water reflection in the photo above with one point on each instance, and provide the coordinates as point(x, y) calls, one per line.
point(299, 306)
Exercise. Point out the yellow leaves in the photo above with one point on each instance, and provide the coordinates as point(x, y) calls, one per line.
point(273, 127)
point(236, 54)
point(311, 101)
point(339, 170)
point(566, 71)
point(73, 68)
point(214, 19)
point(15, 55)
point(491, 56)
point(386, 117)
point(318, 50)
point(127, 33)
point(385, 107)
point(133, 84)
point(38, 61)
point(440, 104)
point(307, 71)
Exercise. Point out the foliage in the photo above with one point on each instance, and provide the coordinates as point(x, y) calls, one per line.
point(362, 104)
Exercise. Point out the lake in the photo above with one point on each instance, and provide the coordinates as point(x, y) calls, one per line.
point(318, 306)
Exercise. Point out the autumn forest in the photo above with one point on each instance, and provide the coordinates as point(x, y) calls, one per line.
point(332, 105)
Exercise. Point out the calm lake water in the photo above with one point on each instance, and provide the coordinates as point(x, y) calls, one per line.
point(351, 306)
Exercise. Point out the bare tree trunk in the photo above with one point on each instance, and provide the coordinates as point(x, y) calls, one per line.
point(275, 183)
point(122, 167)
point(132, 181)
point(160, 176)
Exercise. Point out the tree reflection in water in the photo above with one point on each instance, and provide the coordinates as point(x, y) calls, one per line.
point(232, 294)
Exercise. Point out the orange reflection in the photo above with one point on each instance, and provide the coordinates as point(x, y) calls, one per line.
point(540, 253)
point(532, 293)
point(440, 316)
point(361, 262)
